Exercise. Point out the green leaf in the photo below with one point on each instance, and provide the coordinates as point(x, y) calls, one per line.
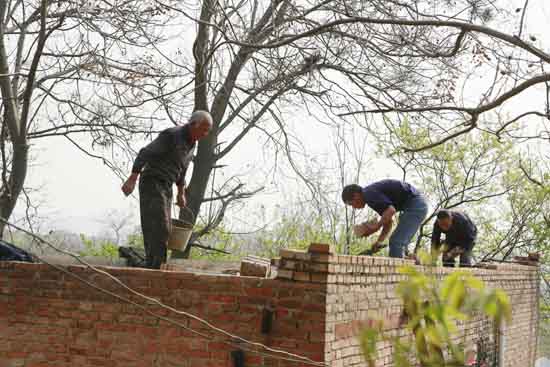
point(368, 340)
point(433, 336)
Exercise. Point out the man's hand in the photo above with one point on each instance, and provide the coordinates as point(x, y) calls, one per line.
point(180, 200)
point(359, 230)
point(365, 229)
point(370, 228)
point(452, 253)
point(130, 184)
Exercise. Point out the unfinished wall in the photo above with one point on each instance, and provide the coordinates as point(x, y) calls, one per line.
point(320, 302)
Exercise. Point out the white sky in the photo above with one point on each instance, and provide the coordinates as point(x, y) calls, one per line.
point(77, 192)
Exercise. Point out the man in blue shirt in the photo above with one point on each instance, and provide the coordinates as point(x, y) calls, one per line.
point(460, 236)
point(387, 197)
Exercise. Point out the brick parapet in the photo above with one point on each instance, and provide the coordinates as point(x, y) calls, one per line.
point(361, 289)
point(319, 302)
point(48, 318)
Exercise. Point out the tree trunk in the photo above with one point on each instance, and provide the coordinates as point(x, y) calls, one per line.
point(202, 168)
point(9, 194)
point(202, 165)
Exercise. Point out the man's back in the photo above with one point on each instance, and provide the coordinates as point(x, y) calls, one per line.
point(166, 156)
point(381, 194)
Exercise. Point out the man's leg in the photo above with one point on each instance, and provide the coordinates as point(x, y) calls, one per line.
point(435, 251)
point(155, 201)
point(146, 193)
point(448, 257)
point(466, 259)
point(409, 221)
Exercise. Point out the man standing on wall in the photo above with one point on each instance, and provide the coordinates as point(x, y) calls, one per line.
point(162, 163)
point(387, 197)
point(460, 236)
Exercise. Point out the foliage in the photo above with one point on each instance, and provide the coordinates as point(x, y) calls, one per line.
point(295, 229)
point(220, 239)
point(288, 232)
point(433, 308)
point(323, 68)
point(103, 248)
point(135, 239)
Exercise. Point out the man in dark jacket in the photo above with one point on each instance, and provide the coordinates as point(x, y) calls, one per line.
point(162, 163)
point(387, 197)
point(460, 236)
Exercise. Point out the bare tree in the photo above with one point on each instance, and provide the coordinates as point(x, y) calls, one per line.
point(252, 60)
point(117, 224)
point(349, 60)
point(70, 68)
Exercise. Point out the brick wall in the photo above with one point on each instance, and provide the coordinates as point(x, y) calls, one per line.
point(49, 319)
point(319, 302)
point(361, 288)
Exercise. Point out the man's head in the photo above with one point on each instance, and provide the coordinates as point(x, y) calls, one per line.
point(353, 195)
point(444, 219)
point(200, 124)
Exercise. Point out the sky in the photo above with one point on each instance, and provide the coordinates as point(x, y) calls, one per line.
point(77, 193)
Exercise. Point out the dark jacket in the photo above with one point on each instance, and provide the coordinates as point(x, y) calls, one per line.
point(463, 232)
point(167, 157)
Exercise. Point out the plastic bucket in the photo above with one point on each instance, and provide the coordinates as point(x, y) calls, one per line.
point(180, 234)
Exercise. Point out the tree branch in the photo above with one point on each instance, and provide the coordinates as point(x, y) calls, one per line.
point(463, 26)
point(529, 177)
point(43, 36)
point(472, 125)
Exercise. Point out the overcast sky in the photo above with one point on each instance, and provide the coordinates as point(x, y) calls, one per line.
point(77, 192)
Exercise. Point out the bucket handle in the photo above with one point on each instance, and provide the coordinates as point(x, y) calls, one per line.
point(188, 210)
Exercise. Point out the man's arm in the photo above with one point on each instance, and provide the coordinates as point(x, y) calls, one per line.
point(385, 222)
point(436, 237)
point(155, 148)
point(181, 200)
point(387, 217)
point(130, 184)
point(470, 238)
point(386, 228)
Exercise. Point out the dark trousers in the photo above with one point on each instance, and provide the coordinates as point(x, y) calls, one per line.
point(465, 257)
point(155, 200)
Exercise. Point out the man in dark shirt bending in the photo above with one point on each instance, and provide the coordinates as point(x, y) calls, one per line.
point(162, 163)
point(460, 236)
point(387, 197)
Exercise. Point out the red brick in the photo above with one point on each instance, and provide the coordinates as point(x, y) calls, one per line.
point(79, 326)
point(259, 292)
point(321, 248)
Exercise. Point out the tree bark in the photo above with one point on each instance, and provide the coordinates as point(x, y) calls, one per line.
point(9, 195)
point(17, 123)
point(202, 164)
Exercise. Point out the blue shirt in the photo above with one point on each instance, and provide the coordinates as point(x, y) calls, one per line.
point(385, 193)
